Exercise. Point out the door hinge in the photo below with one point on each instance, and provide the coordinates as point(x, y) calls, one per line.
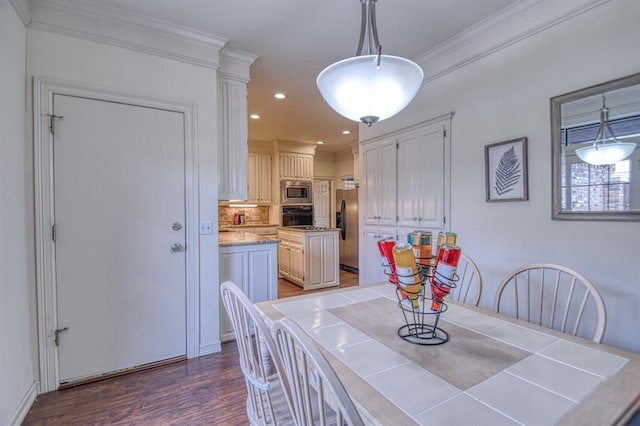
point(444, 220)
point(53, 232)
point(56, 340)
point(397, 145)
point(444, 133)
point(52, 122)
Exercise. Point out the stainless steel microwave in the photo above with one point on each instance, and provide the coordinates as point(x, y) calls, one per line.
point(296, 192)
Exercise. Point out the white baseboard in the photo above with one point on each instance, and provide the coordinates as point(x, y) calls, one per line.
point(25, 404)
point(211, 348)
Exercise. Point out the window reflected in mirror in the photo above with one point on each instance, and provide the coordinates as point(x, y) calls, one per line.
point(589, 191)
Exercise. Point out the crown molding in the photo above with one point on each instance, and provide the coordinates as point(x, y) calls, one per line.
point(234, 64)
point(295, 147)
point(22, 9)
point(517, 22)
point(91, 20)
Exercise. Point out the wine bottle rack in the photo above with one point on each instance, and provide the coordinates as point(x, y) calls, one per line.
point(421, 323)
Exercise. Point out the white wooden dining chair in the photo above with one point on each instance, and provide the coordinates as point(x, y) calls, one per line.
point(318, 395)
point(555, 297)
point(268, 391)
point(468, 288)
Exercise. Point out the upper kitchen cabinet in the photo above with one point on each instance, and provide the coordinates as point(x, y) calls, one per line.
point(233, 76)
point(378, 182)
point(259, 178)
point(295, 166)
point(295, 160)
point(421, 177)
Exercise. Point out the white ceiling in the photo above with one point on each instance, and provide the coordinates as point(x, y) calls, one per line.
point(295, 39)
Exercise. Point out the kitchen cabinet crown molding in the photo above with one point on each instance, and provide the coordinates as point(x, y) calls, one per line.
point(234, 65)
point(295, 147)
point(395, 132)
point(260, 147)
point(105, 24)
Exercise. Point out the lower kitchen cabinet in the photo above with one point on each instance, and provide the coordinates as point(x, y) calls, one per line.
point(253, 268)
point(370, 255)
point(309, 258)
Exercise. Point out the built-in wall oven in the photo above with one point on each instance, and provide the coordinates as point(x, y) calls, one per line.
point(297, 215)
point(296, 192)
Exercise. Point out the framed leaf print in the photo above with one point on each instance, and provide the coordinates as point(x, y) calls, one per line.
point(506, 170)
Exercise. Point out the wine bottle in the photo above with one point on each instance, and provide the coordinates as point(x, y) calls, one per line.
point(407, 271)
point(444, 273)
point(421, 242)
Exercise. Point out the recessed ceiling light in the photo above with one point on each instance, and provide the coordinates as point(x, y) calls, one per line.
point(320, 142)
point(279, 95)
point(346, 132)
point(255, 116)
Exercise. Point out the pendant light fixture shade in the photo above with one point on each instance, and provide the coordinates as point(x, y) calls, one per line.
point(372, 87)
point(606, 153)
point(360, 90)
point(606, 149)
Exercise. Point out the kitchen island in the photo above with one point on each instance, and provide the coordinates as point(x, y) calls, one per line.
point(250, 261)
point(308, 256)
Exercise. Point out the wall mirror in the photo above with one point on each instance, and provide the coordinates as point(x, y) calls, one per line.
point(598, 189)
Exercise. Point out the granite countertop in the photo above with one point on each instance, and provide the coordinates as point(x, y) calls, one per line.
point(310, 229)
point(244, 238)
point(249, 225)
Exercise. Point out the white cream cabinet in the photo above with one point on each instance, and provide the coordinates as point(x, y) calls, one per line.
point(259, 178)
point(294, 166)
point(232, 139)
point(404, 185)
point(309, 258)
point(253, 267)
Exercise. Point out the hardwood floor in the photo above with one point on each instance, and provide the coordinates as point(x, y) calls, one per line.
point(206, 390)
point(289, 289)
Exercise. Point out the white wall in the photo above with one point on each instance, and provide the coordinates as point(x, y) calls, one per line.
point(506, 95)
point(324, 164)
point(344, 164)
point(78, 61)
point(17, 288)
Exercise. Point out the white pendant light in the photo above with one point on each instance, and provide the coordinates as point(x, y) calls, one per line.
point(372, 87)
point(606, 149)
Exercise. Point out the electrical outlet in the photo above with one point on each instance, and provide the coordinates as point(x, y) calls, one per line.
point(206, 227)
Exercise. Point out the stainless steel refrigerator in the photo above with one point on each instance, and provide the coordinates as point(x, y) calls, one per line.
point(347, 221)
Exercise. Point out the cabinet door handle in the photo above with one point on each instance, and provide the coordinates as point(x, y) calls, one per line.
point(415, 218)
point(420, 219)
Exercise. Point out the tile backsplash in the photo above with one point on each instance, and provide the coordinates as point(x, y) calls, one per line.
point(252, 215)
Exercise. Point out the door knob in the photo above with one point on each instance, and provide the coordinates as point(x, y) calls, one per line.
point(176, 226)
point(177, 248)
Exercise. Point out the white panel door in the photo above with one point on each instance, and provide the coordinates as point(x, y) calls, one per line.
point(264, 178)
point(233, 267)
point(260, 273)
point(369, 188)
point(321, 212)
point(253, 163)
point(430, 186)
point(387, 183)
point(119, 188)
point(409, 183)
point(370, 255)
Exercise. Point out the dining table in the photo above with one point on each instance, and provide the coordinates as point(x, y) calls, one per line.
point(492, 370)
